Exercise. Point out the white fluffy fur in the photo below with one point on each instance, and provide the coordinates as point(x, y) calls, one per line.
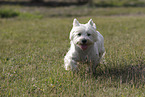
point(91, 50)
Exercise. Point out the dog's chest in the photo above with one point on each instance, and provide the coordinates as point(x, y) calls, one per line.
point(88, 57)
point(84, 58)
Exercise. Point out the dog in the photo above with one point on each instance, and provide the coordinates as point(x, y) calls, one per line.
point(87, 44)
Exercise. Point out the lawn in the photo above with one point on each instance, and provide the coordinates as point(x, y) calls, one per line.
point(34, 44)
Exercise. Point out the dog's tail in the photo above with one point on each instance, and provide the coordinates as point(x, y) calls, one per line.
point(103, 54)
point(102, 60)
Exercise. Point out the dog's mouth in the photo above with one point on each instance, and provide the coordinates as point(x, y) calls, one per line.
point(83, 46)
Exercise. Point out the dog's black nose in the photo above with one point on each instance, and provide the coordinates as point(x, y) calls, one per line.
point(84, 41)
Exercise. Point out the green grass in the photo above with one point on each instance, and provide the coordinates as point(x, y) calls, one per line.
point(73, 11)
point(12, 11)
point(32, 52)
point(7, 13)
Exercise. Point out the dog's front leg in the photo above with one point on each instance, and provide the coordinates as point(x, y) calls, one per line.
point(70, 63)
point(94, 66)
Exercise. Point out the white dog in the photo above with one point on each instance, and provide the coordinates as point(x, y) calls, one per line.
point(86, 44)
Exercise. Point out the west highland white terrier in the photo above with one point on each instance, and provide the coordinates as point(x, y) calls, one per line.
point(87, 45)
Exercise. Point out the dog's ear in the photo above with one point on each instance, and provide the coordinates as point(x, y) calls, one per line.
point(92, 23)
point(76, 23)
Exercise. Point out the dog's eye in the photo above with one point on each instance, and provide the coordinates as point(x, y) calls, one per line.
point(88, 34)
point(79, 34)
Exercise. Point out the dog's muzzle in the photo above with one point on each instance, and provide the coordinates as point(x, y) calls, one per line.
point(83, 45)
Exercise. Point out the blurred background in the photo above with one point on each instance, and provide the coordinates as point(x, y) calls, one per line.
point(104, 3)
point(70, 8)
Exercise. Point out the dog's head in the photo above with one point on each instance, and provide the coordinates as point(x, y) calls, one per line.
point(83, 35)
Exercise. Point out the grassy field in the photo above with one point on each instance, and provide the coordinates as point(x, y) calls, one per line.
point(34, 44)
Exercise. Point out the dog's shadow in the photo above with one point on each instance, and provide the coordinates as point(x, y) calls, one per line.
point(131, 74)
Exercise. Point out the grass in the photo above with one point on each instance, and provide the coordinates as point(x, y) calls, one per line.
point(32, 51)
point(73, 11)
point(7, 13)
point(10, 13)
